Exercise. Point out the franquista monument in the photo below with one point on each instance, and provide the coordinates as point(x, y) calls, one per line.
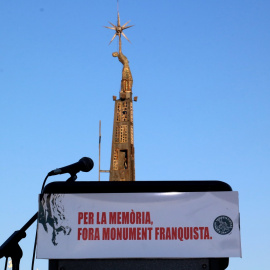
point(122, 167)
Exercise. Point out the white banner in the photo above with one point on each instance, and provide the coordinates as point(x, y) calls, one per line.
point(139, 225)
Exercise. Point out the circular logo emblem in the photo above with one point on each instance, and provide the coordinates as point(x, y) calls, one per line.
point(223, 225)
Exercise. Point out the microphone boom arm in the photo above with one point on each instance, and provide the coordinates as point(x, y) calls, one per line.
point(11, 249)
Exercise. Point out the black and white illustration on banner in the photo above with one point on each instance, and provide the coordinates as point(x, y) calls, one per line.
point(52, 214)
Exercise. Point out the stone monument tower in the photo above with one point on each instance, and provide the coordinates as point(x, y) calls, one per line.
point(122, 166)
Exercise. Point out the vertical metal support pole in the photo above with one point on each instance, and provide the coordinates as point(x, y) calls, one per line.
point(99, 145)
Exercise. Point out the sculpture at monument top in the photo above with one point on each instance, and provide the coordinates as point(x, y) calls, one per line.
point(127, 81)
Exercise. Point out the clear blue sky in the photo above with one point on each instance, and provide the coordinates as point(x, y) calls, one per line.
point(201, 71)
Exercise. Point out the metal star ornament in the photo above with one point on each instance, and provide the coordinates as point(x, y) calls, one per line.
point(119, 29)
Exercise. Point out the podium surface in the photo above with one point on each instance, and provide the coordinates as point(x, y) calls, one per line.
point(140, 187)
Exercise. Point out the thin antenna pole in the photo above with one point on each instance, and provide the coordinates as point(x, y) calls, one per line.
point(118, 23)
point(99, 146)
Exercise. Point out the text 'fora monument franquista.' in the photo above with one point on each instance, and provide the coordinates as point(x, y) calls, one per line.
point(122, 166)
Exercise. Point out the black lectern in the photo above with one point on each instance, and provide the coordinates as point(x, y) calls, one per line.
point(138, 187)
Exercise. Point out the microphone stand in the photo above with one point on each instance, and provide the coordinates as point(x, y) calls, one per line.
point(10, 248)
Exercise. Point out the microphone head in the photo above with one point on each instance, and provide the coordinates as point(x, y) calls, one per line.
point(87, 164)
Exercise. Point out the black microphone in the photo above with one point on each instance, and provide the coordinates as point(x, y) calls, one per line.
point(85, 164)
